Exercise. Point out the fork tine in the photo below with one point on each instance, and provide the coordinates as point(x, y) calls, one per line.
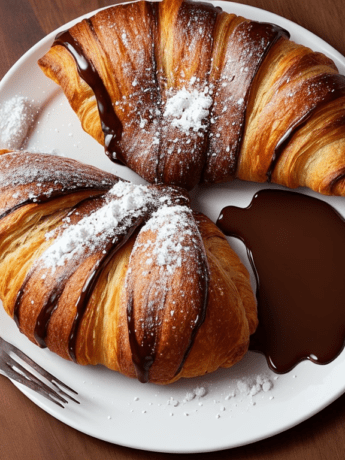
point(7, 354)
point(66, 394)
point(27, 374)
point(38, 388)
point(62, 394)
point(51, 378)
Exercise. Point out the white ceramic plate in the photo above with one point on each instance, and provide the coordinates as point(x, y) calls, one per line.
point(124, 411)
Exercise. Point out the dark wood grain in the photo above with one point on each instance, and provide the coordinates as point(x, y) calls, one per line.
point(26, 431)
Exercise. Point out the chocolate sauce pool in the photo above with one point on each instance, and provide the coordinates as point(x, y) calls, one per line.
point(296, 245)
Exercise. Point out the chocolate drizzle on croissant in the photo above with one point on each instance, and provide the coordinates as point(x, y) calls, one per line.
point(144, 348)
point(259, 36)
point(206, 96)
point(240, 57)
point(93, 278)
point(111, 125)
point(30, 175)
point(326, 88)
point(118, 274)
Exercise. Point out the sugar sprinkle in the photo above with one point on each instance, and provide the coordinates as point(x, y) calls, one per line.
point(188, 109)
point(16, 117)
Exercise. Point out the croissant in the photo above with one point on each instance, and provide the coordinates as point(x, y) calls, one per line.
point(100, 270)
point(184, 93)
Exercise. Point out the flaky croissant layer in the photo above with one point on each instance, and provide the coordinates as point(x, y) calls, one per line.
point(103, 271)
point(182, 92)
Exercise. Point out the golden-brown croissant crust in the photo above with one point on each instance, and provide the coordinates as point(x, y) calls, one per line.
point(182, 93)
point(104, 271)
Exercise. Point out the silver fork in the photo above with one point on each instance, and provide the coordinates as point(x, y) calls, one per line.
point(12, 369)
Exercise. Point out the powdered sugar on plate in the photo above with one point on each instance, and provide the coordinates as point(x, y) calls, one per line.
point(16, 117)
point(242, 394)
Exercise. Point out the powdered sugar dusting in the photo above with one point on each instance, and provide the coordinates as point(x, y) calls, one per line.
point(175, 231)
point(32, 168)
point(29, 176)
point(252, 386)
point(123, 202)
point(188, 109)
point(16, 117)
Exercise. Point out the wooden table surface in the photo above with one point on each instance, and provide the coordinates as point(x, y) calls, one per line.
point(27, 432)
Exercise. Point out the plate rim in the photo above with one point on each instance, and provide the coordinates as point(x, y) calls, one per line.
point(44, 42)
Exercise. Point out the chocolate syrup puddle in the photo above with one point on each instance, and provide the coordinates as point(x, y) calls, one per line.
point(296, 245)
point(111, 125)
